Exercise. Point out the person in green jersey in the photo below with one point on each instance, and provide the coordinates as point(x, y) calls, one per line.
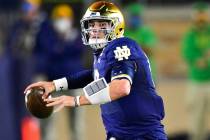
point(196, 53)
point(143, 34)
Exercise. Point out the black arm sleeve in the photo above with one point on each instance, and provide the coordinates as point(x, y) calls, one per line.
point(80, 79)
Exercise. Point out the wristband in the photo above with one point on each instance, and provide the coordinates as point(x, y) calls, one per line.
point(61, 84)
point(97, 92)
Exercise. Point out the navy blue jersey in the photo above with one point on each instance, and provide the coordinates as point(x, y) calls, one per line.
point(140, 113)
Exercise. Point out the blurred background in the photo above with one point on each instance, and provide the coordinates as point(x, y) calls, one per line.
point(175, 34)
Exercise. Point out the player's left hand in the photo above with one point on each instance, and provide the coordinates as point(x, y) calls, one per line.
point(60, 102)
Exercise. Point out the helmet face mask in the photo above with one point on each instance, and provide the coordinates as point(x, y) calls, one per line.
point(97, 38)
point(111, 27)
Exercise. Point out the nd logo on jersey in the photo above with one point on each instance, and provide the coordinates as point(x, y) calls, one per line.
point(121, 53)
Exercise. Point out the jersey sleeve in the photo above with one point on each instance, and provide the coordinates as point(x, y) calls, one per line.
point(80, 79)
point(124, 70)
point(77, 80)
point(123, 50)
point(121, 57)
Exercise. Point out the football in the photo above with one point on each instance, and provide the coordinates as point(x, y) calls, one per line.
point(35, 104)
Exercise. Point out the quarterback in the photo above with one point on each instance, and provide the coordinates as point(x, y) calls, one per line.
point(120, 81)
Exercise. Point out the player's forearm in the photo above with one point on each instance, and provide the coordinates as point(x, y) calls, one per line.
point(105, 93)
point(84, 101)
point(99, 92)
point(117, 88)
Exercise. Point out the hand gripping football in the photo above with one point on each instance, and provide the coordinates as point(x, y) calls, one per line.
point(36, 105)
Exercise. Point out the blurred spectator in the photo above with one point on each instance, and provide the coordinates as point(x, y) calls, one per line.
point(17, 66)
point(58, 53)
point(140, 32)
point(196, 52)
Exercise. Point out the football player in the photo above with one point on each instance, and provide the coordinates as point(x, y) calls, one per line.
point(120, 80)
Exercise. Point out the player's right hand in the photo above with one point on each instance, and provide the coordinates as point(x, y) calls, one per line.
point(48, 87)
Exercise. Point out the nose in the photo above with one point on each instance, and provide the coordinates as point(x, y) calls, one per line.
point(94, 32)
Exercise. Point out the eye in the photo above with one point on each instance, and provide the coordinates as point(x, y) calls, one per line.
point(90, 25)
point(103, 24)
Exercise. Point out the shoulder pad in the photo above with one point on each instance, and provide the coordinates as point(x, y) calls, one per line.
point(123, 49)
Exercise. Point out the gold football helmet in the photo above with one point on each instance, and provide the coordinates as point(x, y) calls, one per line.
point(102, 11)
